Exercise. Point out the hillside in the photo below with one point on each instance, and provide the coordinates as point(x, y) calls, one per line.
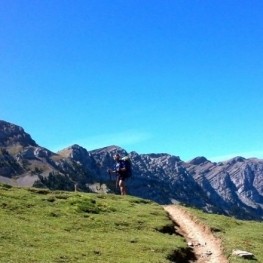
point(233, 187)
point(39, 225)
point(44, 226)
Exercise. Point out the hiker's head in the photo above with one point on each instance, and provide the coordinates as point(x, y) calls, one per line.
point(116, 157)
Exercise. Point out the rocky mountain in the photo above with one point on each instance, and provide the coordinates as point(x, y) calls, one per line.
point(14, 136)
point(233, 187)
point(24, 163)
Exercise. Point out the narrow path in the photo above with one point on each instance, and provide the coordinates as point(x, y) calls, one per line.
point(206, 246)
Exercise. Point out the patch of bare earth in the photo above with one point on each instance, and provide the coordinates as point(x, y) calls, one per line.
point(206, 247)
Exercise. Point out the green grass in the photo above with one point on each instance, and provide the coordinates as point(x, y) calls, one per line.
point(235, 234)
point(38, 225)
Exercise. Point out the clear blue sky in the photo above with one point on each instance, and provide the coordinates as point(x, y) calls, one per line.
point(174, 76)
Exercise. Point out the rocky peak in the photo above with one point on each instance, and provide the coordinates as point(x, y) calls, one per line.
point(237, 159)
point(198, 160)
point(110, 150)
point(75, 152)
point(11, 134)
point(81, 156)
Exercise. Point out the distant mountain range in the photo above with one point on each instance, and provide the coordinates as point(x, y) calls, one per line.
point(233, 187)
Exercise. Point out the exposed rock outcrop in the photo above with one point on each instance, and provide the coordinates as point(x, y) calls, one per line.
point(12, 135)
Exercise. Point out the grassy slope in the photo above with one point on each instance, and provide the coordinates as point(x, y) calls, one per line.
point(43, 226)
point(235, 234)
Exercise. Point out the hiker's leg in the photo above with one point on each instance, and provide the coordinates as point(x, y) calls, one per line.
point(122, 187)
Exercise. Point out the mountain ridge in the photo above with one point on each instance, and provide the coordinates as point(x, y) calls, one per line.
point(233, 187)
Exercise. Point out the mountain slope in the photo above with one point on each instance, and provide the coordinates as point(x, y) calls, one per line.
point(23, 162)
point(38, 225)
point(84, 227)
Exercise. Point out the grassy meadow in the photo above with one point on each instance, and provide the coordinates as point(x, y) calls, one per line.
point(235, 234)
point(39, 225)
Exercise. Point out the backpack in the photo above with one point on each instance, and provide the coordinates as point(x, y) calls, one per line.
point(128, 165)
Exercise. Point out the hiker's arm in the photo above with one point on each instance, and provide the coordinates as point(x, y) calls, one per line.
point(110, 171)
point(122, 169)
point(118, 169)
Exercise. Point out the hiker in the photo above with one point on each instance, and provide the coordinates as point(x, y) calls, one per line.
point(122, 172)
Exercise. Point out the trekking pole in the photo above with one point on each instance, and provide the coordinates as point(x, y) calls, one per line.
point(117, 181)
point(109, 172)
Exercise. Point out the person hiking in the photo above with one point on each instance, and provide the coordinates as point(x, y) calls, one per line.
point(122, 172)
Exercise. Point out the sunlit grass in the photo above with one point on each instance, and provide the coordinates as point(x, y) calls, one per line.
point(235, 234)
point(39, 225)
point(42, 226)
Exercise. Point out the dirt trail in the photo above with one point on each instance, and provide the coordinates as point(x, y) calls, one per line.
point(206, 246)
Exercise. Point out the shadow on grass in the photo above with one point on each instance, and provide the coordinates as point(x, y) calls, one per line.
point(169, 229)
point(183, 255)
